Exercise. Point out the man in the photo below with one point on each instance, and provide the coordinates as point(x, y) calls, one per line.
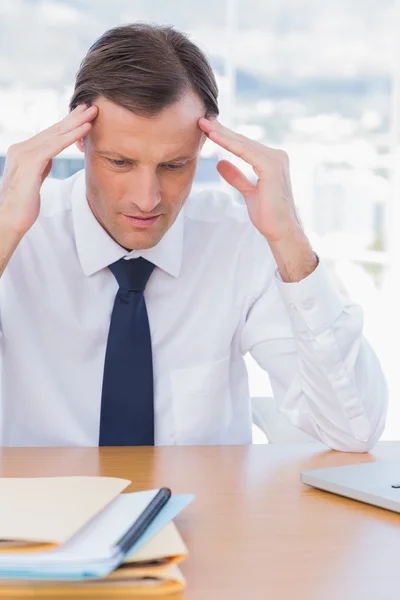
point(127, 304)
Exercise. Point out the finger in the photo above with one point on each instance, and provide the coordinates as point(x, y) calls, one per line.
point(73, 120)
point(212, 124)
point(79, 108)
point(235, 177)
point(56, 138)
point(209, 125)
point(241, 148)
point(68, 139)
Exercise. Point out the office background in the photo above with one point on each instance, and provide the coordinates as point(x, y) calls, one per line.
point(318, 79)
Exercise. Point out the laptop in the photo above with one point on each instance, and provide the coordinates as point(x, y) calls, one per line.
point(376, 483)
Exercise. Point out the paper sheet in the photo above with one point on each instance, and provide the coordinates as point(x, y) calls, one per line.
point(52, 509)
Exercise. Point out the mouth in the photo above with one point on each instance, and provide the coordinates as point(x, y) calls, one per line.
point(142, 222)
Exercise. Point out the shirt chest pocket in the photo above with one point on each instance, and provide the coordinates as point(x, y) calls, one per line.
point(201, 402)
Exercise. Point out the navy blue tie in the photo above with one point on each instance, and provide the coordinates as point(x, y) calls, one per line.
point(127, 410)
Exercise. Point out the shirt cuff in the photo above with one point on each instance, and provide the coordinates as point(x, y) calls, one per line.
point(313, 303)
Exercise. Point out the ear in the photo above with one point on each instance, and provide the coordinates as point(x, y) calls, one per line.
point(80, 144)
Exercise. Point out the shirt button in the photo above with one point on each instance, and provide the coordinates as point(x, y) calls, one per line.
point(292, 306)
point(308, 304)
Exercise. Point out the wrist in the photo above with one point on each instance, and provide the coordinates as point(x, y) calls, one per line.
point(9, 225)
point(294, 255)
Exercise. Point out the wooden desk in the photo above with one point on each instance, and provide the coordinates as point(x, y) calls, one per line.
point(254, 531)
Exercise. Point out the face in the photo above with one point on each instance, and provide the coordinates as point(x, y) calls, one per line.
point(139, 171)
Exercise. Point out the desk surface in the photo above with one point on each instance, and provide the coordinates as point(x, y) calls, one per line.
point(254, 531)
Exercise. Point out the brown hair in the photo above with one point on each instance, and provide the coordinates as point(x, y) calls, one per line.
point(145, 68)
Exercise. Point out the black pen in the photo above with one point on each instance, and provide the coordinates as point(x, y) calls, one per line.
point(127, 541)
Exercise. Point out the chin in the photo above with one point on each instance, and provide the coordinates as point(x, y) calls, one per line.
point(141, 241)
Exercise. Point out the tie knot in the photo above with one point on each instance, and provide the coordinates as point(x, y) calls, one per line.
point(132, 274)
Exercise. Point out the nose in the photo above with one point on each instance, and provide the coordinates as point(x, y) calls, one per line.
point(145, 191)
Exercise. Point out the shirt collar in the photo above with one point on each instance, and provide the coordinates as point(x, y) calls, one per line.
point(96, 248)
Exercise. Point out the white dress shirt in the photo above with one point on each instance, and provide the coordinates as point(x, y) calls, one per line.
point(215, 296)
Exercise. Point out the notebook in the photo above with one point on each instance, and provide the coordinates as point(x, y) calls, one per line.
point(79, 534)
point(376, 483)
point(153, 569)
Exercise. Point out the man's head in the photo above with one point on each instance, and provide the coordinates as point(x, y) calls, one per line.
point(151, 85)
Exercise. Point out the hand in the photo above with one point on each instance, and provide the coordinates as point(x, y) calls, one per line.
point(269, 201)
point(28, 164)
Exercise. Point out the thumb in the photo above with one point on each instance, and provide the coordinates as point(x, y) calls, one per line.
point(235, 177)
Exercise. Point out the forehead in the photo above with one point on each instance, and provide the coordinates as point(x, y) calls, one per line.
point(175, 129)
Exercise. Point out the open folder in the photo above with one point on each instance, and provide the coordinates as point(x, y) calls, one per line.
point(43, 513)
point(68, 528)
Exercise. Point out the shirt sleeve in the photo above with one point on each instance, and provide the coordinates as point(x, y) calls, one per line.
point(324, 374)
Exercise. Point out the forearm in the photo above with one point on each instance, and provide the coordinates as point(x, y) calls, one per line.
point(325, 377)
point(10, 237)
point(346, 412)
point(336, 374)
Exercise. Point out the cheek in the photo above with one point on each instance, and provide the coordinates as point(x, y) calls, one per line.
point(106, 185)
point(175, 192)
point(188, 180)
point(182, 181)
point(101, 195)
